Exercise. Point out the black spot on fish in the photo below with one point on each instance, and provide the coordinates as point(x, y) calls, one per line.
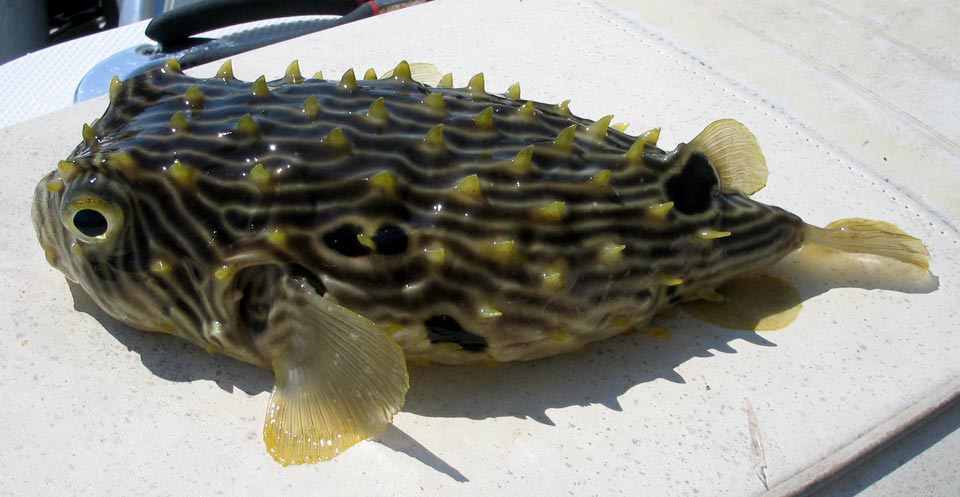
point(344, 240)
point(390, 240)
point(692, 190)
point(445, 329)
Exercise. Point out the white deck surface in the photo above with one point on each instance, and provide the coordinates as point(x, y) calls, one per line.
point(94, 408)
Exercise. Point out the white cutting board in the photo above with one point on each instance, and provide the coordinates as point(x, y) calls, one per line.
point(94, 408)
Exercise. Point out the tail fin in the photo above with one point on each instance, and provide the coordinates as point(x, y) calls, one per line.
point(870, 237)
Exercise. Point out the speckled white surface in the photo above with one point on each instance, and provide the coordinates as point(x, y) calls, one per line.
point(94, 408)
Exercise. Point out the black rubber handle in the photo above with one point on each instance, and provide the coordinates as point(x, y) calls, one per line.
point(175, 26)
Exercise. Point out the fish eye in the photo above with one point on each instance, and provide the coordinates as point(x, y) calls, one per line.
point(90, 222)
point(91, 219)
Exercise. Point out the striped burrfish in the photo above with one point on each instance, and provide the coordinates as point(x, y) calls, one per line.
point(331, 231)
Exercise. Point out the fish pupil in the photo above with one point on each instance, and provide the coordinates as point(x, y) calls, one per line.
point(692, 190)
point(90, 222)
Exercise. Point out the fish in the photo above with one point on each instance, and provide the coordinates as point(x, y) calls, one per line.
point(333, 230)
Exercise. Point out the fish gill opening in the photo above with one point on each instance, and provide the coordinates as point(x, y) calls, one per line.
point(255, 286)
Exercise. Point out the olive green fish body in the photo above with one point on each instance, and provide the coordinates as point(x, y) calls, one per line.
point(489, 228)
point(332, 230)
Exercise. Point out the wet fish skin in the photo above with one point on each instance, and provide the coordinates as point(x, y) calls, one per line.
point(332, 230)
point(208, 169)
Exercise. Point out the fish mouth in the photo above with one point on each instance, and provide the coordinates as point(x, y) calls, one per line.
point(45, 213)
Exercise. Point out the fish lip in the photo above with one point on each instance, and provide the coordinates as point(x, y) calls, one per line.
point(51, 234)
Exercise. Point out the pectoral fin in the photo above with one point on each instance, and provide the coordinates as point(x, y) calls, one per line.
point(339, 378)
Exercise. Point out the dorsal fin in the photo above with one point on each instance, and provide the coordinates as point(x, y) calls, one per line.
point(734, 152)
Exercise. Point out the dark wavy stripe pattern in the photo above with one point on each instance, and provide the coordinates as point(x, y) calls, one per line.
point(221, 214)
